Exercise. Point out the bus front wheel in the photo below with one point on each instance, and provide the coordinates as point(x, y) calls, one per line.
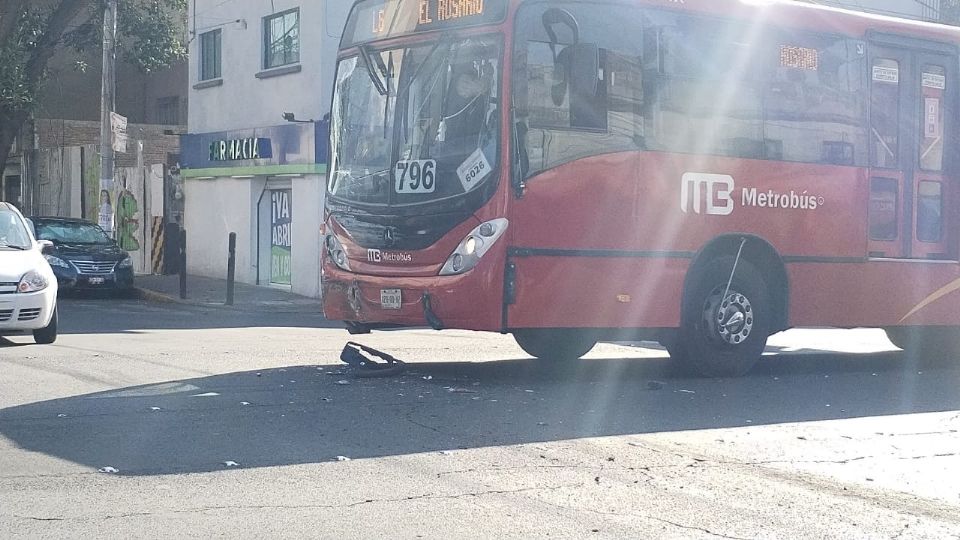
point(554, 344)
point(725, 322)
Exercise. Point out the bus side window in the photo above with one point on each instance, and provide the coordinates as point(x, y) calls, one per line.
point(883, 213)
point(885, 113)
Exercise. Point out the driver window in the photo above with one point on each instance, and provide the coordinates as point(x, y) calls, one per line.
point(560, 120)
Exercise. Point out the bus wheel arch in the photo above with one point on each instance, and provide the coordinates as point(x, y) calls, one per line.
point(756, 297)
point(763, 256)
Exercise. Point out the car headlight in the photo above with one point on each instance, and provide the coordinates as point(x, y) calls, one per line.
point(32, 281)
point(474, 246)
point(127, 262)
point(56, 261)
point(337, 253)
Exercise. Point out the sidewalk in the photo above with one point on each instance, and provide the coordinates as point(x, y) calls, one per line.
point(211, 292)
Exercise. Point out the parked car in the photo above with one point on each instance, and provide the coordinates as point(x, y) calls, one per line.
point(83, 256)
point(28, 288)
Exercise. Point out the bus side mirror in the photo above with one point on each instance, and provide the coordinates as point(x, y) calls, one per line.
point(584, 68)
point(577, 69)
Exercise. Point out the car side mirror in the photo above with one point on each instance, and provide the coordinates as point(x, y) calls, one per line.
point(33, 228)
point(46, 246)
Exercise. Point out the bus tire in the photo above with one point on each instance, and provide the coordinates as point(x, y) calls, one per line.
point(723, 337)
point(554, 344)
point(927, 346)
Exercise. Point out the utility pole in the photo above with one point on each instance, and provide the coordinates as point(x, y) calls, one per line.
point(105, 210)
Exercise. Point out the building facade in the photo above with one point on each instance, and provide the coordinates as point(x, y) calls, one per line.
point(68, 119)
point(254, 160)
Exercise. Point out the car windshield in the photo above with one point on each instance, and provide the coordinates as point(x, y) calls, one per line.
point(71, 232)
point(415, 125)
point(13, 232)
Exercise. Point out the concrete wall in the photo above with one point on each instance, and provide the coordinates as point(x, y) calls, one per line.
point(72, 94)
point(245, 101)
point(216, 207)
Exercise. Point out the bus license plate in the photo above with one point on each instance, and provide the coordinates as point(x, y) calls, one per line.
point(390, 298)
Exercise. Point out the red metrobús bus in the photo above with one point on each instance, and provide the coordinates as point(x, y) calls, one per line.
point(704, 173)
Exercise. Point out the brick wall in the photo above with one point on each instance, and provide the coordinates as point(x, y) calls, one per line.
point(156, 144)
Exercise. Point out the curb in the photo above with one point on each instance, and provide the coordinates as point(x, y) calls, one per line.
point(154, 296)
point(148, 295)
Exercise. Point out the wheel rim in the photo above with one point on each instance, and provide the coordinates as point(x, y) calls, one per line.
point(728, 320)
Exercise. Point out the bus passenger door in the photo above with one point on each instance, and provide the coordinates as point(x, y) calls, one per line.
point(911, 102)
point(934, 183)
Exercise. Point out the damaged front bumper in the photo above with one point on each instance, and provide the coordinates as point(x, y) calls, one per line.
point(471, 301)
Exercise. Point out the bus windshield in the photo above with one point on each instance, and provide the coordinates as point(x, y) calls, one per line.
point(413, 126)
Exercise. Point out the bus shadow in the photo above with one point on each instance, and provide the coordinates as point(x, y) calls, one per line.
point(311, 414)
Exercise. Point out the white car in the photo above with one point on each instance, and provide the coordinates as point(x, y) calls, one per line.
point(28, 288)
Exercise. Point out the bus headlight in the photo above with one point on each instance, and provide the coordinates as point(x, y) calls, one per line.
point(474, 246)
point(337, 254)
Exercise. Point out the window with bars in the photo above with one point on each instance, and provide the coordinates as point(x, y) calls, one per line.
point(281, 39)
point(168, 110)
point(210, 50)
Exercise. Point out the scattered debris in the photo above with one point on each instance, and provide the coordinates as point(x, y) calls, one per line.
point(207, 394)
point(343, 382)
point(428, 378)
point(686, 391)
point(529, 391)
point(61, 415)
point(543, 424)
point(108, 470)
point(229, 463)
point(154, 408)
point(460, 391)
point(611, 458)
point(326, 399)
point(363, 363)
point(445, 452)
point(343, 458)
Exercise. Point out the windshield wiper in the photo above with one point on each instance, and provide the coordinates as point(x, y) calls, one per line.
point(13, 246)
point(378, 83)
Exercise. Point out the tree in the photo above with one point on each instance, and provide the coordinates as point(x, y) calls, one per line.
point(149, 35)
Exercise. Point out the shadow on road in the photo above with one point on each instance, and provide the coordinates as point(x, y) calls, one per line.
point(305, 414)
point(91, 315)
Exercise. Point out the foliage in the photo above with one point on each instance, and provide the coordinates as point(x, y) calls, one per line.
point(150, 35)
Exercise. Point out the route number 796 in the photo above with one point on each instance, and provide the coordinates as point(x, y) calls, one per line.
point(415, 176)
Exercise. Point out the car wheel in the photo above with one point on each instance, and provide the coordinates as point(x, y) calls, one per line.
point(555, 345)
point(724, 331)
point(47, 334)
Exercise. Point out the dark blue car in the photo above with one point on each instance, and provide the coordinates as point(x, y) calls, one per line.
point(84, 257)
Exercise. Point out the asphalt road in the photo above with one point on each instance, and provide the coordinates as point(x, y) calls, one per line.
point(231, 423)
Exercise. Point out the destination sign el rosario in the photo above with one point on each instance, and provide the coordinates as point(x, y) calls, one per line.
point(433, 11)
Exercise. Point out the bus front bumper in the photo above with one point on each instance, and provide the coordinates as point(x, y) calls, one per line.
point(471, 301)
